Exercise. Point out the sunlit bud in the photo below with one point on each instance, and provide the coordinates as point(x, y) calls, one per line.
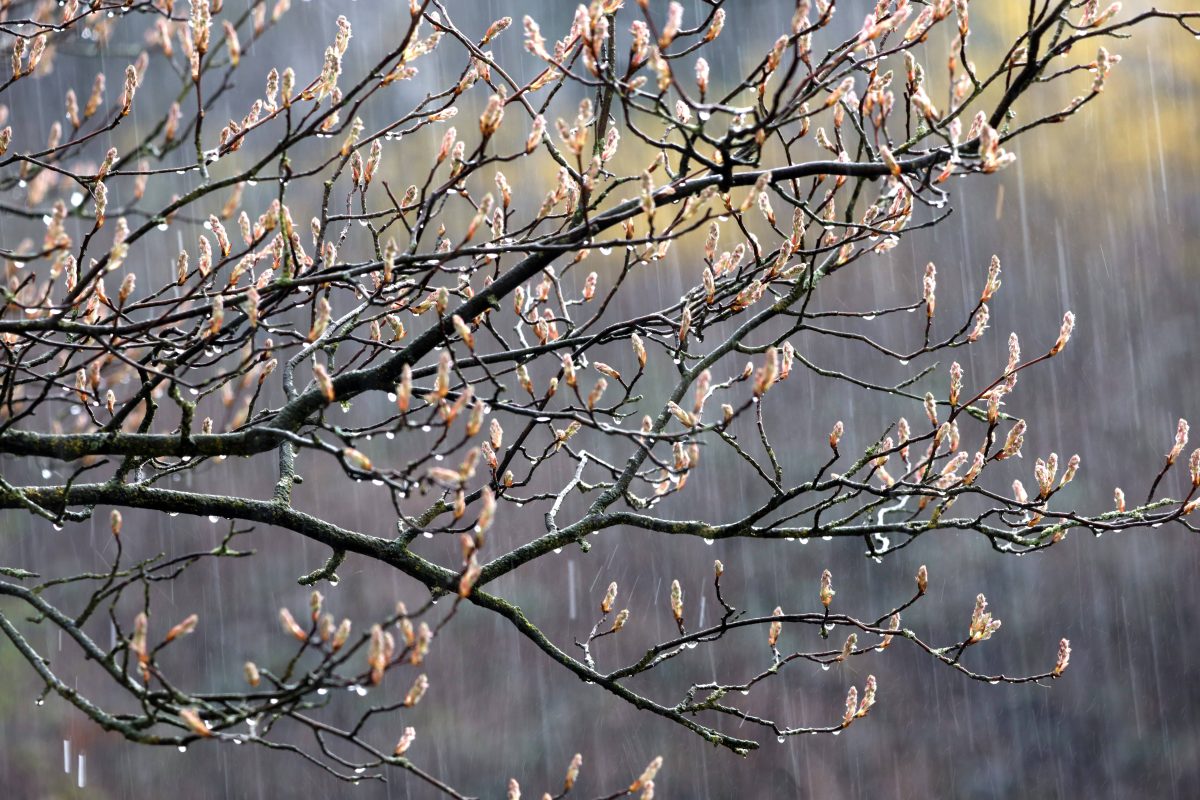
point(524, 380)
point(677, 601)
point(1193, 468)
point(320, 320)
point(775, 629)
point(1064, 657)
point(250, 671)
point(764, 206)
point(419, 687)
point(931, 408)
point(766, 376)
point(1064, 334)
point(954, 436)
point(993, 281)
point(1091, 19)
point(596, 393)
point(404, 389)
point(893, 625)
point(290, 626)
point(685, 325)
point(827, 591)
point(930, 288)
point(464, 331)
point(475, 420)
point(605, 369)
point(1181, 440)
point(204, 262)
point(448, 139)
point(183, 628)
point(535, 133)
point(727, 413)
point(376, 657)
point(441, 381)
point(610, 597)
point(848, 647)
point(851, 706)
point(341, 635)
point(137, 642)
point(639, 349)
point(469, 577)
point(718, 23)
point(1119, 499)
point(356, 459)
point(405, 742)
point(671, 26)
point(100, 196)
point(492, 115)
point(131, 84)
point(315, 600)
point(514, 790)
point(191, 718)
point(994, 398)
point(868, 698)
point(710, 286)
point(686, 419)
point(956, 376)
point(572, 773)
point(324, 382)
point(889, 160)
point(1014, 440)
point(982, 623)
point(981, 323)
point(835, 435)
point(647, 774)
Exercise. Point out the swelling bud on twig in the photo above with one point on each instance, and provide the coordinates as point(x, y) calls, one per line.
point(827, 591)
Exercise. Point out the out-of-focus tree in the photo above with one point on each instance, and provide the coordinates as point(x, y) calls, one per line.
point(469, 301)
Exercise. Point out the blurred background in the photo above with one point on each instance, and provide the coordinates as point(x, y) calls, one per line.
point(1098, 216)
